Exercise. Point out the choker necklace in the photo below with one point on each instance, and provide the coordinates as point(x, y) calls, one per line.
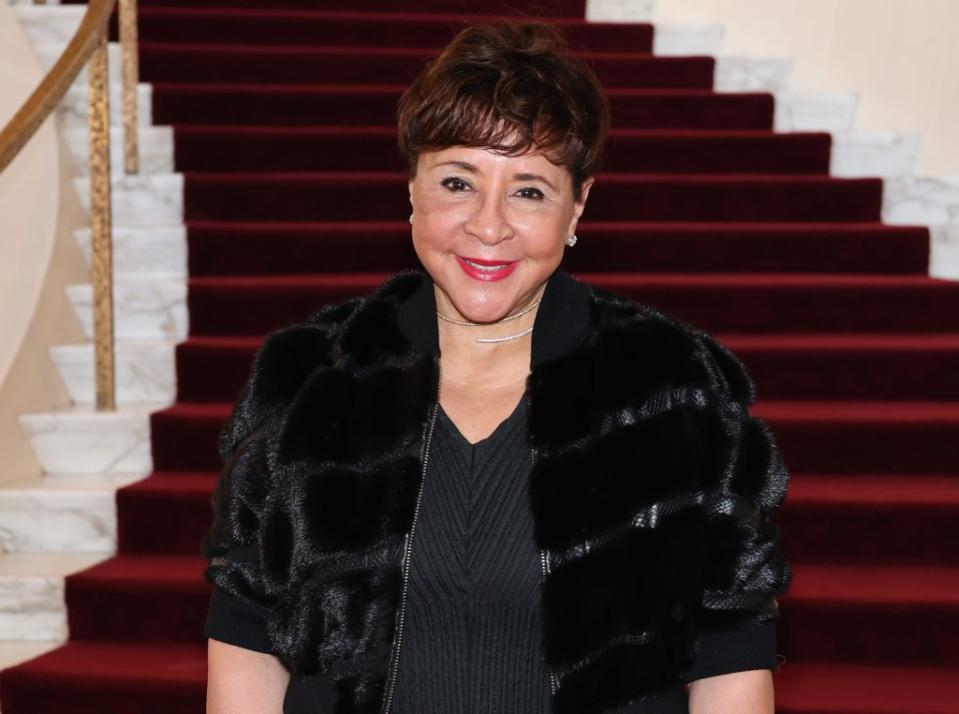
point(504, 338)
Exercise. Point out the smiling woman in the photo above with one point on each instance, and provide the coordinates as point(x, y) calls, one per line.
point(502, 133)
point(488, 486)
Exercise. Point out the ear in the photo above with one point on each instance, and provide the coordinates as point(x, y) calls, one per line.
point(579, 206)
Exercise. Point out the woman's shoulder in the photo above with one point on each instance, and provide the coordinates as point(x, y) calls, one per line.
point(291, 352)
point(289, 355)
point(636, 332)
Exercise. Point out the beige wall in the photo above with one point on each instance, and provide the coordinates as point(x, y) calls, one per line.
point(38, 258)
point(900, 56)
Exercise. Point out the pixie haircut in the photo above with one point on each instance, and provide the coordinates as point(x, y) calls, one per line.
point(508, 86)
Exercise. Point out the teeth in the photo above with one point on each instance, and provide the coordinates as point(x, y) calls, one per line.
point(489, 268)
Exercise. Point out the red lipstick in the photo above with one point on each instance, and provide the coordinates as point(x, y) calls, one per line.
point(490, 270)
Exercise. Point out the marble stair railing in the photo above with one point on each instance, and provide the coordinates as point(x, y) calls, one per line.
point(65, 521)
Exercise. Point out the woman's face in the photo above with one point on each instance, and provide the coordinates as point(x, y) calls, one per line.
point(472, 204)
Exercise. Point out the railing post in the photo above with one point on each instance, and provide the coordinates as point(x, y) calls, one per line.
point(130, 79)
point(101, 224)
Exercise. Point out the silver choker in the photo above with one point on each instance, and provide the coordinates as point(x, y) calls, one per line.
point(504, 338)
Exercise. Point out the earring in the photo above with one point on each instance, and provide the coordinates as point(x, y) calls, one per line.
point(411, 218)
point(571, 241)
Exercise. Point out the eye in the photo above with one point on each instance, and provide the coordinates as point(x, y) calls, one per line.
point(534, 193)
point(453, 184)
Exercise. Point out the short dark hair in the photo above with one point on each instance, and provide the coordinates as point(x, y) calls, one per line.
point(496, 79)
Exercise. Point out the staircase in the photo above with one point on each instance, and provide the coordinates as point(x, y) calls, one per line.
point(726, 200)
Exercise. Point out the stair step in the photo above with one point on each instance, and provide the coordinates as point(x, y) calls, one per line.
point(64, 513)
point(97, 677)
point(559, 8)
point(233, 248)
point(219, 63)
point(173, 678)
point(831, 613)
point(852, 689)
point(263, 196)
point(721, 302)
point(346, 148)
point(815, 436)
point(81, 439)
point(32, 606)
point(170, 588)
point(180, 497)
point(375, 104)
point(878, 615)
point(826, 516)
point(309, 28)
point(153, 309)
point(783, 366)
point(145, 371)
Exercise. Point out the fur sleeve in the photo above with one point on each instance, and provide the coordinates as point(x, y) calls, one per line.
point(234, 542)
point(744, 566)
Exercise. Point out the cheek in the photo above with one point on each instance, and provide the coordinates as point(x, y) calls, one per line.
point(543, 235)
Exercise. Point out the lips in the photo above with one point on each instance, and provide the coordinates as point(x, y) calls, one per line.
point(486, 270)
point(480, 261)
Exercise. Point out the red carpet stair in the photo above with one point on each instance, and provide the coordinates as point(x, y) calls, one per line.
point(295, 195)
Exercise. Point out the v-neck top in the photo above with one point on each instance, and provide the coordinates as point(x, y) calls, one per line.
point(472, 635)
point(471, 643)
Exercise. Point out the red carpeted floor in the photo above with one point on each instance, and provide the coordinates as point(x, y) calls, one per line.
point(295, 195)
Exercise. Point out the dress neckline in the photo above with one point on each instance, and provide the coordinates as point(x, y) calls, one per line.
point(496, 431)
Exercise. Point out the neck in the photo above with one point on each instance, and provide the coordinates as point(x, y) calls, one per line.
point(461, 353)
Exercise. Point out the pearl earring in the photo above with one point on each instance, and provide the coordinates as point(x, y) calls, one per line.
point(411, 218)
point(571, 241)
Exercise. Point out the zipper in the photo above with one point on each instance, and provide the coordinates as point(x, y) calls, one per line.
point(407, 562)
point(544, 565)
point(407, 554)
point(549, 671)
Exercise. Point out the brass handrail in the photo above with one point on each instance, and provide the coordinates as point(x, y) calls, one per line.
point(88, 46)
point(51, 90)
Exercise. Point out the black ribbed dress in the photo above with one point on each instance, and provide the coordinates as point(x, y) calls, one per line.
point(471, 641)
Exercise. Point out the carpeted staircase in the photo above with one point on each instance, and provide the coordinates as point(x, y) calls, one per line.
point(294, 195)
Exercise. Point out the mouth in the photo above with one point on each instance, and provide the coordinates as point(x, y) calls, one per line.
point(481, 269)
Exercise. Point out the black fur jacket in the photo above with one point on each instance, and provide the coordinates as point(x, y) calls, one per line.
point(651, 489)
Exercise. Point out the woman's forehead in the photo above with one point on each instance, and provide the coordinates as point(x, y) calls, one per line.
point(479, 159)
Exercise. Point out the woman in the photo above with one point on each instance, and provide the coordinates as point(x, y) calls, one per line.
point(488, 486)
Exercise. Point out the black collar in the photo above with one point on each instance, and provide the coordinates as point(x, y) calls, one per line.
point(563, 319)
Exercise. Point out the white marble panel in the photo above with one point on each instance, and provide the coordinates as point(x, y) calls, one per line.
point(32, 608)
point(32, 604)
point(45, 24)
point(143, 309)
point(141, 200)
point(49, 515)
point(155, 146)
point(923, 200)
point(619, 10)
point(47, 54)
point(73, 108)
point(944, 251)
point(874, 153)
point(143, 252)
point(681, 39)
point(145, 371)
point(815, 111)
point(752, 74)
point(80, 439)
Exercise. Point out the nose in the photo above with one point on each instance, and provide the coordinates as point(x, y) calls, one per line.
point(489, 222)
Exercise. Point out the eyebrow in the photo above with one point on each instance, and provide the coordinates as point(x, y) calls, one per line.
point(466, 166)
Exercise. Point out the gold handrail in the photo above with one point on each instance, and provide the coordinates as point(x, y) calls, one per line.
point(88, 46)
point(51, 90)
